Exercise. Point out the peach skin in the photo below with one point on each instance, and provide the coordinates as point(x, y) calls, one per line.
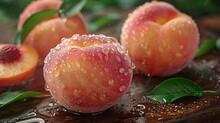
point(88, 73)
point(160, 40)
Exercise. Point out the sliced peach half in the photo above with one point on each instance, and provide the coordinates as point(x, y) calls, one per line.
point(16, 63)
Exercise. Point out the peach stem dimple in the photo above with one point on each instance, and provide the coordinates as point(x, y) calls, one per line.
point(9, 53)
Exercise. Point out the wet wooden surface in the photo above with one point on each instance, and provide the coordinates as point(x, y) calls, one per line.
point(133, 107)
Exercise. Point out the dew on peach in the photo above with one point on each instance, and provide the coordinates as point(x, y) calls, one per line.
point(49, 32)
point(160, 40)
point(88, 73)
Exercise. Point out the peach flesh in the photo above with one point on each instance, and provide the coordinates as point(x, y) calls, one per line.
point(160, 40)
point(16, 70)
point(88, 73)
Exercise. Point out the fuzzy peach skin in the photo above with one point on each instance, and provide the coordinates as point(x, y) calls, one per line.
point(88, 73)
point(160, 40)
point(15, 72)
point(37, 6)
point(49, 33)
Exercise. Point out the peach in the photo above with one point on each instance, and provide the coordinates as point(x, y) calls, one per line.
point(160, 40)
point(48, 33)
point(16, 63)
point(37, 6)
point(88, 73)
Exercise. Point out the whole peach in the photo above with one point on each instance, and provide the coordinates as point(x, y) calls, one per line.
point(88, 73)
point(37, 6)
point(160, 40)
point(49, 33)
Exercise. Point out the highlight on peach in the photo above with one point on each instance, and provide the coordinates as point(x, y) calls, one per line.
point(160, 39)
point(88, 73)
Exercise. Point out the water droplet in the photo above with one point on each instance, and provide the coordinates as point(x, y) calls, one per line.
point(101, 73)
point(83, 70)
point(78, 102)
point(161, 49)
point(132, 65)
point(32, 120)
point(103, 97)
point(76, 92)
point(46, 87)
point(77, 64)
point(164, 100)
point(100, 55)
point(106, 69)
point(106, 58)
point(105, 51)
point(53, 29)
point(141, 107)
point(141, 112)
point(94, 95)
point(126, 73)
point(121, 70)
point(118, 59)
point(148, 75)
point(181, 47)
point(178, 55)
point(51, 104)
point(122, 88)
point(56, 62)
point(111, 82)
point(56, 73)
point(64, 20)
point(120, 50)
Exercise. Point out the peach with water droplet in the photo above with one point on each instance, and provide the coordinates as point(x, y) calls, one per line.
point(16, 63)
point(160, 39)
point(88, 73)
point(49, 32)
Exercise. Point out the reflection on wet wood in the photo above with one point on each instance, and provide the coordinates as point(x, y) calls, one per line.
point(134, 107)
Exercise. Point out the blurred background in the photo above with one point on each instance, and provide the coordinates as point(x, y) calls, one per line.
point(107, 16)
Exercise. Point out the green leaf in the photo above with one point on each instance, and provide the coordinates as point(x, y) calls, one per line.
point(32, 22)
point(71, 7)
point(11, 97)
point(218, 44)
point(175, 88)
point(205, 47)
point(99, 22)
point(18, 38)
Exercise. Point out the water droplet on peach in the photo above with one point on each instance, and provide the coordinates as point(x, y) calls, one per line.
point(126, 73)
point(46, 87)
point(56, 73)
point(122, 88)
point(111, 82)
point(118, 59)
point(103, 96)
point(121, 70)
point(106, 58)
point(106, 69)
point(120, 50)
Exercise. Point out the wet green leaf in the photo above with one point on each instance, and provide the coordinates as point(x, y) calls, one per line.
point(99, 22)
point(218, 44)
point(205, 47)
point(72, 7)
point(32, 22)
point(11, 97)
point(175, 88)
